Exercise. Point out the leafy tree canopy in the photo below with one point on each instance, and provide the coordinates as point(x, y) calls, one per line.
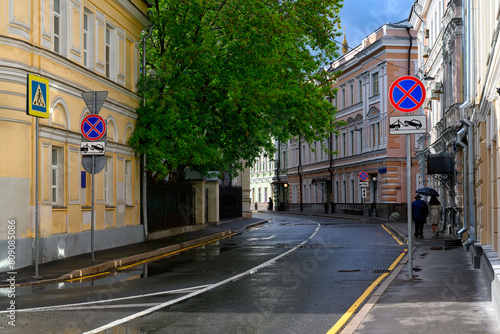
point(225, 78)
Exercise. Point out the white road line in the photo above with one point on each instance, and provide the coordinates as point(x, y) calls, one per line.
point(199, 292)
point(56, 307)
point(102, 307)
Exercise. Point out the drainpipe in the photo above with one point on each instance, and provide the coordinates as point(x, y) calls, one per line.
point(469, 94)
point(144, 176)
point(470, 183)
point(330, 169)
point(300, 177)
point(409, 49)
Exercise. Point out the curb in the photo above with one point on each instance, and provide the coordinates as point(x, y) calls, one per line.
point(400, 235)
point(99, 268)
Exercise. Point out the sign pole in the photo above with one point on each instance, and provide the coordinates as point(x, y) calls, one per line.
point(92, 234)
point(409, 213)
point(92, 212)
point(37, 213)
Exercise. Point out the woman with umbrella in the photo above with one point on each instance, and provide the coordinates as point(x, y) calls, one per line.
point(434, 215)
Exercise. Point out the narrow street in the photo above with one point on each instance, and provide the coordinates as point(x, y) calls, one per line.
point(294, 274)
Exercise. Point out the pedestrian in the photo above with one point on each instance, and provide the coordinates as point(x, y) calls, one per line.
point(270, 204)
point(419, 211)
point(434, 215)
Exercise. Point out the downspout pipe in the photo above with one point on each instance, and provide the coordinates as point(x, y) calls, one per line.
point(470, 183)
point(409, 49)
point(330, 169)
point(144, 175)
point(300, 177)
point(469, 94)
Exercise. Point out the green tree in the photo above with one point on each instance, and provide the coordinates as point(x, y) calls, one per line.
point(225, 78)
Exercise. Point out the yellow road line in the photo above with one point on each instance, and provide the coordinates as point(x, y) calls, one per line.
point(342, 321)
point(88, 276)
point(399, 241)
point(153, 259)
point(355, 306)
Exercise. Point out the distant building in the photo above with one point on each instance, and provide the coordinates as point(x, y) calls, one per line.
point(77, 46)
point(321, 182)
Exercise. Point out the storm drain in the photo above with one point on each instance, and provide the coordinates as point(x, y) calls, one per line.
point(381, 271)
point(349, 270)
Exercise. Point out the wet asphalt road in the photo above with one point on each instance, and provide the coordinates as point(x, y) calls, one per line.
point(295, 274)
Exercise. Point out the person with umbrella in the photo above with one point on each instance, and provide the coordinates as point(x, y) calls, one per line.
point(434, 215)
point(419, 211)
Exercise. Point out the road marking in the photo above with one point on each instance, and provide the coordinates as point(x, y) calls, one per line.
point(399, 242)
point(89, 276)
point(57, 307)
point(342, 321)
point(199, 292)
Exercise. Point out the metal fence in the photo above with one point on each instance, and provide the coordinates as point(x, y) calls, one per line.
point(230, 205)
point(170, 205)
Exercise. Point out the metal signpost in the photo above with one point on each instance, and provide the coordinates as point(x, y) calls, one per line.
point(363, 177)
point(407, 94)
point(37, 105)
point(93, 146)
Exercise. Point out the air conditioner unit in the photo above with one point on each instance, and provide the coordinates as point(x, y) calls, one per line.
point(426, 52)
point(434, 95)
point(438, 87)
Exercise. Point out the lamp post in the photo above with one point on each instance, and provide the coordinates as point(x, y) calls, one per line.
point(374, 205)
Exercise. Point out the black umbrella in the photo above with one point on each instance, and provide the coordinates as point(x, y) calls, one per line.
point(427, 192)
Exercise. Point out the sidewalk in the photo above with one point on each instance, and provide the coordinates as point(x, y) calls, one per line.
point(447, 294)
point(81, 265)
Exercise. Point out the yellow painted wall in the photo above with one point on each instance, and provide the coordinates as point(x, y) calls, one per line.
point(26, 47)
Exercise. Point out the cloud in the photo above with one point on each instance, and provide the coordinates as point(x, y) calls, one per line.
point(362, 17)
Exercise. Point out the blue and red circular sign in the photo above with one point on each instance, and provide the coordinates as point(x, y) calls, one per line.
point(93, 127)
point(407, 94)
point(363, 176)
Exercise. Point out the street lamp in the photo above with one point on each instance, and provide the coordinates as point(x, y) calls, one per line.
point(374, 204)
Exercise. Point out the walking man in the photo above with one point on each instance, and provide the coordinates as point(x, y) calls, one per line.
point(419, 211)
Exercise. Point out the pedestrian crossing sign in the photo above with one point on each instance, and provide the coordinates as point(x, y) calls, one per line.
point(37, 96)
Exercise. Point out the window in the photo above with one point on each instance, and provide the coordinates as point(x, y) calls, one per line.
point(85, 39)
point(342, 105)
point(344, 190)
point(360, 141)
point(337, 192)
point(88, 39)
point(344, 146)
point(375, 135)
point(108, 181)
point(128, 182)
point(351, 149)
point(375, 84)
point(57, 176)
point(351, 94)
point(360, 91)
point(352, 191)
point(57, 26)
point(108, 53)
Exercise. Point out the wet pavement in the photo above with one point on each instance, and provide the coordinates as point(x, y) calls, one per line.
point(447, 295)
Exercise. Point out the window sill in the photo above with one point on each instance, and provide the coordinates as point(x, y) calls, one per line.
point(59, 208)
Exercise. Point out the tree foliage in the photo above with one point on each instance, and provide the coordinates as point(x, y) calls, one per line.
point(225, 78)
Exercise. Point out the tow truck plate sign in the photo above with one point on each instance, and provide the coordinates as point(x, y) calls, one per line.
point(93, 148)
point(404, 125)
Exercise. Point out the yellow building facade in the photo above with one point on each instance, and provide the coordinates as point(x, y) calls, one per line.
point(78, 46)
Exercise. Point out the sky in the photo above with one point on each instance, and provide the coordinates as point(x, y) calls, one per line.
point(362, 17)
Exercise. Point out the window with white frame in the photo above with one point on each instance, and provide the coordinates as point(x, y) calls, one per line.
point(110, 52)
point(375, 90)
point(375, 135)
point(57, 176)
point(344, 190)
point(88, 39)
point(128, 182)
point(360, 141)
point(360, 90)
point(351, 149)
point(351, 94)
point(344, 145)
point(342, 102)
point(108, 181)
point(352, 191)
